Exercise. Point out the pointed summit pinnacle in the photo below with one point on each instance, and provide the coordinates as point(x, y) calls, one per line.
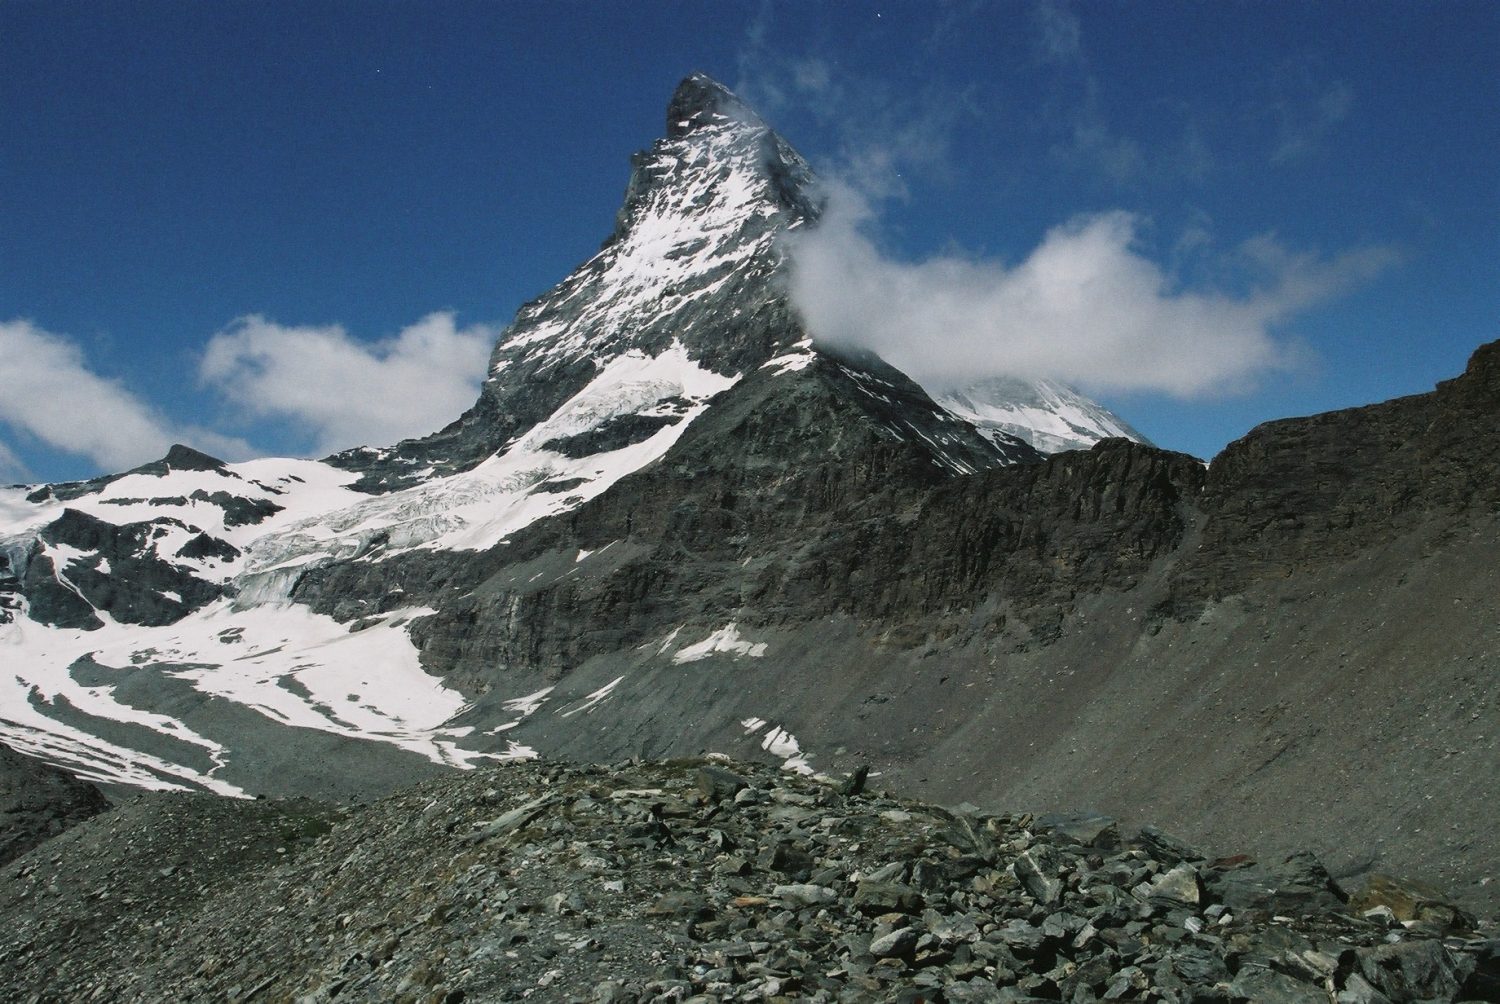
point(701, 100)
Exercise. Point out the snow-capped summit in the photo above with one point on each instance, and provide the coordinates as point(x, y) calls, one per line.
point(189, 581)
point(691, 261)
point(702, 212)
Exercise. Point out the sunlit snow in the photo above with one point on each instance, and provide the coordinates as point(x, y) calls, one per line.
point(592, 700)
point(726, 640)
point(291, 665)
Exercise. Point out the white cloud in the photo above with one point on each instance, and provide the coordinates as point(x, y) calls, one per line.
point(1086, 306)
point(12, 470)
point(345, 392)
point(337, 391)
point(52, 394)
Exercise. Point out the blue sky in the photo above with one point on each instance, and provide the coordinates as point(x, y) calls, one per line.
point(275, 227)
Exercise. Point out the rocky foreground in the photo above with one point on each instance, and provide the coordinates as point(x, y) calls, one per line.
point(694, 880)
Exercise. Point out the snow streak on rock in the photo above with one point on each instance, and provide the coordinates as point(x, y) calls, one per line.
point(542, 474)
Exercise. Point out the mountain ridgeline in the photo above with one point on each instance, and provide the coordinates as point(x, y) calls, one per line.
point(673, 523)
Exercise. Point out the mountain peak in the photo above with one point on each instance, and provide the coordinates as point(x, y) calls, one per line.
point(700, 100)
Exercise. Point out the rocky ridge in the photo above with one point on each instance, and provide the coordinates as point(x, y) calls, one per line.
point(702, 880)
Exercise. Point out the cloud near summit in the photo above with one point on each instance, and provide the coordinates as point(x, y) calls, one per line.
point(1086, 306)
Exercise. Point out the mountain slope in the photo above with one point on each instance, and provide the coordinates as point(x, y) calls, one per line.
point(1120, 628)
point(37, 802)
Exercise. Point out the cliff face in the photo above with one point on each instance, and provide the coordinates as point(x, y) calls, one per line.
point(1304, 493)
point(776, 511)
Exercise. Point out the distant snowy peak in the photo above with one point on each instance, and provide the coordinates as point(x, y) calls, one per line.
point(1050, 416)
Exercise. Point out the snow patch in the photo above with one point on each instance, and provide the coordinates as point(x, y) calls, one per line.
point(528, 705)
point(782, 744)
point(515, 751)
point(668, 640)
point(800, 357)
point(293, 666)
point(592, 700)
point(477, 508)
point(727, 640)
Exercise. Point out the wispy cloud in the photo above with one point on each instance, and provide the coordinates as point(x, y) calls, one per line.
point(879, 132)
point(12, 470)
point(1088, 136)
point(1086, 306)
point(342, 392)
point(1089, 305)
point(1059, 33)
point(1121, 159)
point(1306, 111)
point(53, 395)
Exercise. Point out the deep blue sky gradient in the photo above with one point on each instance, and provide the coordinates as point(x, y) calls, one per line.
point(168, 167)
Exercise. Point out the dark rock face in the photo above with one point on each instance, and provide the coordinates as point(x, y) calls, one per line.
point(858, 530)
point(1305, 492)
point(122, 574)
point(625, 430)
point(38, 801)
point(682, 880)
point(869, 531)
point(11, 596)
point(778, 463)
point(239, 511)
